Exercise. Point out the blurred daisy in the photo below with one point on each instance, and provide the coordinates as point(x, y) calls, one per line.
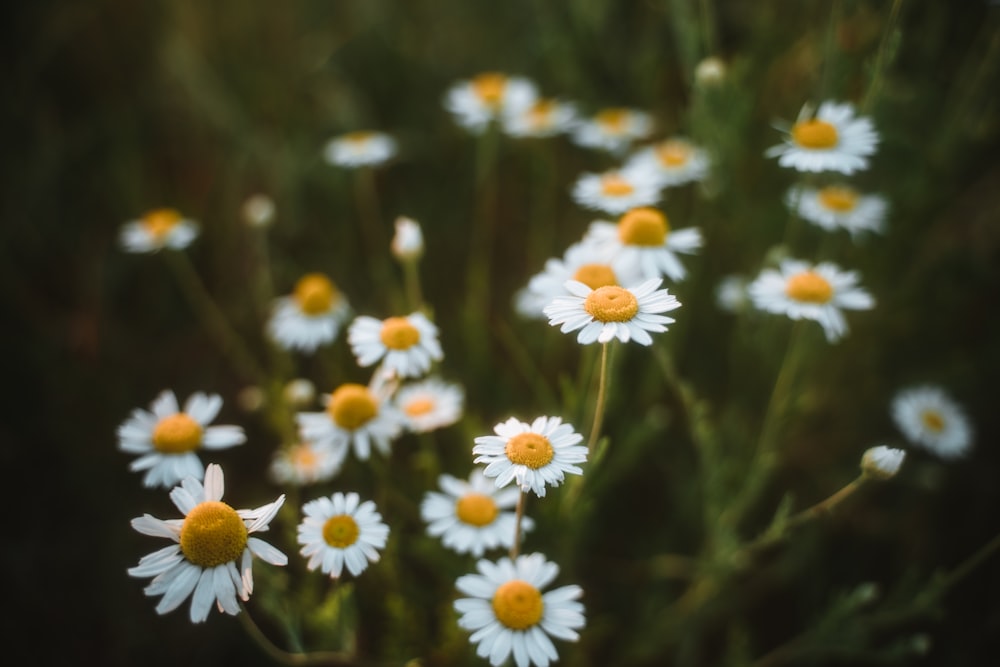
point(928, 417)
point(731, 294)
point(617, 190)
point(304, 463)
point(408, 242)
point(341, 531)
point(507, 612)
point(430, 404)
point(642, 239)
point(882, 462)
point(613, 129)
point(354, 416)
point(158, 229)
point(405, 345)
point(625, 313)
point(544, 118)
point(212, 556)
point(813, 292)
point(488, 96)
point(832, 140)
point(533, 455)
point(674, 162)
point(258, 210)
point(311, 316)
point(299, 393)
point(839, 207)
point(360, 149)
point(167, 438)
point(469, 516)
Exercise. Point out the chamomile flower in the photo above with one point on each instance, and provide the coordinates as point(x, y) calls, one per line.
point(817, 292)
point(835, 139)
point(617, 190)
point(405, 345)
point(508, 614)
point(487, 97)
point(408, 242)
point(341, 531)
point(158, 229)
point(533, 455)
point(211, 559)
point(613, 129)
point(167, 438)
point(360, 149)
point(625, 313)
point(839, 207)
point(305, 463)
point(674, 162)
point(354, 416)
point(545, 117)
point(311, 316)
point(468, 516)
point(882, 462)
point(731, 294)
point(642, 238)
point(430, 404)
point(929, 418)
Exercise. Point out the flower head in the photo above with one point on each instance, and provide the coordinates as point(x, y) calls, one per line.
point(405, 345)
point(158, 229)
point(430, 404)
point(882, 462)
point(339, 531)
point(258, 210)
point(309, 317)
point(354, 416)
point(408, 243)
point(832, 140)
point(929, 418)
point(613, 129)
point(487, 97)
point(305, 463)
point(544, 117)
point(617, 190)
point(672, 162)
point(643, 240)
point(839, 207)
point(360, 149)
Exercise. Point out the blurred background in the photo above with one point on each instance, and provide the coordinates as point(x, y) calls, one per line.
point(112, 108)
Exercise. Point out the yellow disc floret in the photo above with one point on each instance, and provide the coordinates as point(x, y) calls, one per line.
point(476, 509)
point(159, 222)
point(419, 406)
point(809, 287)
point(529, 449)
point(595, 275)
point(673, 153)
point(838, 198)
point(303, 457)
point(351, 406)
point(518, 605)
point(611, 304)
point(213, 534)
point(359, 137)
point(612, 120)
point(613, 185)
point(177, 434)
point(643, 226)
point(814, 134)
point(540, 113)
point(314, 293)
point(341, 531)
point(490, 87)
point(932, 420)
point(399, 334)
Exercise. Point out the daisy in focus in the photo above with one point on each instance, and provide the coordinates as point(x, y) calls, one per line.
point(167, 438)
point(487, 97)
point(158, 229)
point(643, 239)
point(339, 531)
point(533, 455)
point(817, 292)
point(928, 417)
point(468, 516)
point(304, 463)
point(613, 129)
point(405, 345)
point(508, 614)
point(617, 190)
point(212, 556)
point(545, 117)
point(832, 140)
point(882, 462)
point(674, 162)
point(360, 149)
point(355, 416)
point(430, 404)
point(839, 207)
point(311, 316)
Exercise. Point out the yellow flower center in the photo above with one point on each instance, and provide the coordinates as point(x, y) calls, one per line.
point(314, 293)
point(815, 134)
point(673, 153)
point(643, 226)
point(213, 534)
point(518, 605)
point(529, 449)
point(932, 420)
point(160, 221)
point(613, 185)
point(351, 405)
point(341, 531)
point(810, 287)
point(490, 87)
point(611, 303)
point(540, 113)
point(476, 509)
point(359, 137)
point(303, 457)
point(177, 434)
point(838, 198)
point(595, 275)
point(398, 334)
point(419, 406)
point(613, 121)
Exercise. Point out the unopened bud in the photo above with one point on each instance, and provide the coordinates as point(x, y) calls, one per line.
point(408, 243)
point(882, 462)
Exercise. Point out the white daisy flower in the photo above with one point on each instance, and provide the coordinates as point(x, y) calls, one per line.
point(710, 72)
point(360, 149)
point(544, 118)
point(405, 345)
point(508, 614)
point(258, 210)
point(928, 417)
point(533, 455)
point(167, 438)
point(469, 516)
point(613, 129)
point(299, 393)
point(211, 559)
point(487, 97)
point(817, 292)
point(430, 404)
point(339, 531)
point(839, 207)
point(625, 313)
point(617, 190)
point(675, 161)
point(882, 462)
point(305, 463)
point(832, 140)
point(311, 316)
point(731, 294)
point(408, 243)
point(642, 238)
point(354, 416)
point(158, 229)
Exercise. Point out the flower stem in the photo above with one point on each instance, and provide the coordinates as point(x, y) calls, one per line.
point(329, 658)
point(411, 281)
point(595, 430)
point(515, 547)
point(880, 57)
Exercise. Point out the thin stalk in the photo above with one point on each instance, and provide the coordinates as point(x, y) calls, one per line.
point(599, 405)
point(329, 658)
point(366, 195)
point(411, 283)
point(515, 546)
point(880, 56)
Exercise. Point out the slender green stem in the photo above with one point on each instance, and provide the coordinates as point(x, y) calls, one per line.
point(366, 195)
point(966, 567)
point(411, 280)
point(599, 405)
point(329, 658)
point(515, 546)
point(880, 56)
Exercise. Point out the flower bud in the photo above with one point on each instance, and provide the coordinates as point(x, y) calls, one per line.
point(408, 243)
point(881, 462)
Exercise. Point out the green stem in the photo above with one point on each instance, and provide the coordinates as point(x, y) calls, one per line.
point(411, 280)
point(515, 546)
point(880, 57)
point(599, 405)
point(329, 658)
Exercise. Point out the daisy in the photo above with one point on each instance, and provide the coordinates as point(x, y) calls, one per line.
point(928, 417)
point(642, 238)
point(507, 612)
point(882, 462)
point(405, 345)
point(311, 316)
point(731, 294)
point(839, 207)
point(832, 140)
point(167, 438)
point(340, 530)
point(258, 210)
point(617, 190)
point(813, 292)
point(546, 117)
point(487, 97)
point(408, 242)
point(675, 161)
point(360, 149)
point(158, 229)
point(304, 463)
point(212, 556)
point(468, 516)
point(354, 416)
point(613, 129)
point(625, 313)
point(534, 455)
point(430, 404)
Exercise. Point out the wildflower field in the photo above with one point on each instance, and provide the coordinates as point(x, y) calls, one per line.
point(587, 333)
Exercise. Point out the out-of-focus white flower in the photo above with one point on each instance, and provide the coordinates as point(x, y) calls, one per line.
point(408, 243)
